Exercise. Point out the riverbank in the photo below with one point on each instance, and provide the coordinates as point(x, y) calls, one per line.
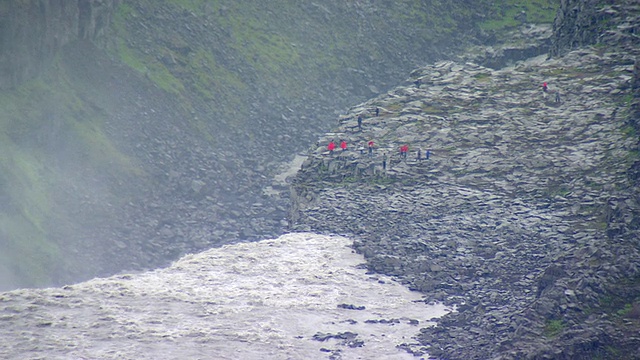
point(524, 215)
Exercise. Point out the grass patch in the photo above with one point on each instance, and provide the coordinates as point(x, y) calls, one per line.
point(195, 6)
point(626, 310)
point(150, 68)
point(146, 65)
point(506, 14)
point(26, 252)
point(45, 130)
point(482, 77)
point(25, 193)
point(432, 110)
point(553, 328)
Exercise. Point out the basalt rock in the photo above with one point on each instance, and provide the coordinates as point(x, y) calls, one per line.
point(32, 33)
point(524, 215)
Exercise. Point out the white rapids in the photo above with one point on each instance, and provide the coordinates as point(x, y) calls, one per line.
point(262, 300)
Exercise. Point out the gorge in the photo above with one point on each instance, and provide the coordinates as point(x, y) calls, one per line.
point(524, 217)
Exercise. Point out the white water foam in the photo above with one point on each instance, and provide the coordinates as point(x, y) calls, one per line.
point(262, 300)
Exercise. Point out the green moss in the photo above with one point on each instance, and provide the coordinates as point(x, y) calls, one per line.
point(269, 53)
point(483, 77)
point(619, 306)
point(504, 13)
point(438, 17)
point(39, 119)
point(26, 187)
point(194, 6)
point(150, 68)
point(631, 157)
point(33, 259)
point(213, 81)
point(428, 109)
point(101, 152)
point(145, 64)
point(627, 99)
point(625, 310)
point(553, 328)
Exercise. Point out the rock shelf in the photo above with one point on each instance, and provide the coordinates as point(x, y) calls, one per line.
point(524, 214)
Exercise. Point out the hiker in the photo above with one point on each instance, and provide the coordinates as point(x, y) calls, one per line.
point(331, 147)
point(384, 162)
point(545, 87)
point(419, 154)
point(427, 154)
point(403, 151)
point(370, 146)
point(343, 145)
point(360, 122)
point(377, 111)
point(417, 83)
point(557, 100)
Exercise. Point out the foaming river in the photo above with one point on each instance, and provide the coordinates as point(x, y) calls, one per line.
point(301, 296)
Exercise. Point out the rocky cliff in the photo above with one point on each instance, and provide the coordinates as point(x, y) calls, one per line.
point(524, 214)
point(33, 32)
point(133, 132)
point(580, 23)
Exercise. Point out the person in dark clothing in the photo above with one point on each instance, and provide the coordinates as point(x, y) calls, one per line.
point(427, 154)
point(419, 154)
point(377, 111)
point(557, 96)
point(384, 161)
point(360, 122)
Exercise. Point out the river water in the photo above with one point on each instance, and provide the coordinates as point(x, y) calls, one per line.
point(294, 297)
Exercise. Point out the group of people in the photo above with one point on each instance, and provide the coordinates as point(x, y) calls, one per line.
point(404, 150)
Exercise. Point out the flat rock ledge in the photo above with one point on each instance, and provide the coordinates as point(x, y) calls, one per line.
point(524, 215)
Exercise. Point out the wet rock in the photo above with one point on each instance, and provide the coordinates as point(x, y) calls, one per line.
point(515, 217)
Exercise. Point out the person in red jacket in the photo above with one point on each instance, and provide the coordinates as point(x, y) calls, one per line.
point(343, 145)
point(403, 151)
point(370, 146)
point(331, 147)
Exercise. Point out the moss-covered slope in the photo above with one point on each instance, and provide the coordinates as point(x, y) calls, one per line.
point(161, 142)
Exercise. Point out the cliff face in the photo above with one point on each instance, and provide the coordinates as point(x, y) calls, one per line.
point(160, 135)
point(587, 22)
point(32, 32)
point(524, 214)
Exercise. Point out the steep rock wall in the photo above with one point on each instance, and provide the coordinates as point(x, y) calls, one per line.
point(199, 102)
point(576, 25)
point(587, 22)
point(32, 32)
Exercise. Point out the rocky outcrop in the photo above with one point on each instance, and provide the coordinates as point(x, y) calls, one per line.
point(579, 23)
point(528, 41)
point(524, 214)
point(203, 101)
point(32, 32)
point(635, 91)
